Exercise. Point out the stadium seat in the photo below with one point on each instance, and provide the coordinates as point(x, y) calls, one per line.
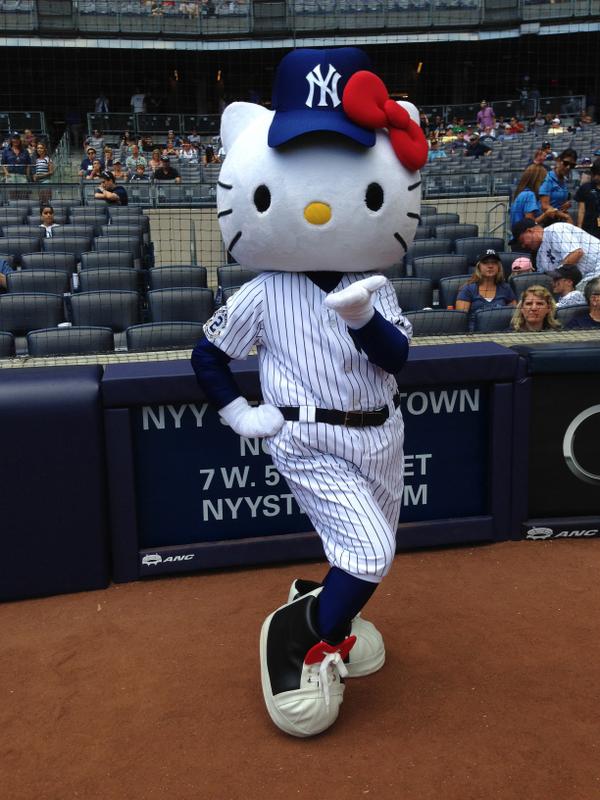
point(12, 216)
point(521, 282)
point(62, 261)
point(172, 277)
point(180, 305)
point(472, 247)
point(508, 258)
point(91, 214)
point(115, 212)
point(22, 230)
point(163, 335)
point(17, 245)
point(455, 231)
point(34, 219)
point(76, 245)
point(232, 275)
point(429, 247)
point(22, 312)
point(428, 211)
point(439, 266)
point(445, 218)
point(565, 315)
point(395, 271)
point(94, 260)
point(112, 309)
point(7, 344)
point(438, 322)
point(54, 281)
point(493, 320)
point(127, 244)
point(449, 289)
point(26, 207)
point(122, 229)
point(423, 232)
point(82, 340)
point(413, 293)
point(141, 221)
point(101, 279)
point(82, 229)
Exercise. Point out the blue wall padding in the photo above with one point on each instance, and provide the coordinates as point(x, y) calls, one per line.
point(53, 528)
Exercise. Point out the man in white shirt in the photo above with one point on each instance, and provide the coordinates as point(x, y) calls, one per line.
point(559, 245)
point(564, 281)
point(138, 102)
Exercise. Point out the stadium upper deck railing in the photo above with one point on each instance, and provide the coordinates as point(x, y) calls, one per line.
point(235, 17)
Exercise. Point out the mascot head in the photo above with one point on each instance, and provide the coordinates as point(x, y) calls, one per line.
point(328, 179)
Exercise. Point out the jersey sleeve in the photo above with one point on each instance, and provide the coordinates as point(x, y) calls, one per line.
point(237, 326)
point(530, 203)
point(386, 303)
point(545, 188)
point(466, 293)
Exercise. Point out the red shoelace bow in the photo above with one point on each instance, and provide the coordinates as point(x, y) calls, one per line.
point(366, 102)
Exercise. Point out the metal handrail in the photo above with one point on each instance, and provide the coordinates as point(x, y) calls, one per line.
point(488, 216)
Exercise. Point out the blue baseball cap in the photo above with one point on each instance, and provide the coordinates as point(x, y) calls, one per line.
point(307, 94)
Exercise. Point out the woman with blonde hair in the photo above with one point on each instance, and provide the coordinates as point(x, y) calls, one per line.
point(486, 288)
point(536, 311)
point(526, 203)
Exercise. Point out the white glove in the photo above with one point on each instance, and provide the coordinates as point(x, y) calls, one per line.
point(355, 304)
point(251, 421)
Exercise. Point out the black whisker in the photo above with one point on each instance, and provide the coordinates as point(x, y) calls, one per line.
point(224, 185)
point(234, 241)
point(401, 240)
point(224, 213)
point(414, 186)
point(413, 216)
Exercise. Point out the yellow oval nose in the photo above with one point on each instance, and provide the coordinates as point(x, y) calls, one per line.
point(317, 213)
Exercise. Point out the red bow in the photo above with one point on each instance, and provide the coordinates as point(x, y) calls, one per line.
point(366, 102)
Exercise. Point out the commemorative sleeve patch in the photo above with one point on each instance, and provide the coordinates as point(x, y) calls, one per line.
point(216, 325)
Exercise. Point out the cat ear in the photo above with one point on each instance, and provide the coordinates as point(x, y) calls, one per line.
point(239, 116)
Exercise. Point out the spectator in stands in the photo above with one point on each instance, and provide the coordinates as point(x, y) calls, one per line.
point(555, 127)
point(435, 151)
point(74, 124)
point(47, 221)
point(95, 174)
point(195, 138)
point(485, 116)
point(28, 138)
point(526, 204)
point(101, 103)
point(486, 288)
point(592, 297)
point(96, 140)
point(5, 269)
point(139, 175)
point(536, 311)
point(539, 122)
point(559, 245)
point(187, 153)
point(588, 202)
point(489, 135)
point(31, 145)
point(564, 281)
point(208, 157)
point(111, 193)
point(549, 153)
point(138, 101)
point(477, 148)
point(155, 161)
point(146, 144)
point(134, 159)
point(170, 149)
point(220, 156)
point(515, 127)
point(107, 158)
point(539, 158)
point(554, 191)
point(16, 161)
point(166, 172)
point(127, 142)
point(86, 165)
point(521, 265)
point(118, 172)
point(424, 122)
point(43, 168)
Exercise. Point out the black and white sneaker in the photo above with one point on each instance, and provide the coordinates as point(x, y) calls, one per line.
point(368, 654)
point(302, 676)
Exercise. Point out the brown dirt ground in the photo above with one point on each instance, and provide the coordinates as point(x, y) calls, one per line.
point(152, 690)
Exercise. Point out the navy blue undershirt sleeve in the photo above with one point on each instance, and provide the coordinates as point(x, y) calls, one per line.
point(214, 377)
point(382, 343)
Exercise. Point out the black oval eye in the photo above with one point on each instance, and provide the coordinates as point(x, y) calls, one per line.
point(262, 198)
point(374, 196)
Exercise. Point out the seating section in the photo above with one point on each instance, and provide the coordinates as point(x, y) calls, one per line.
point(70, 341)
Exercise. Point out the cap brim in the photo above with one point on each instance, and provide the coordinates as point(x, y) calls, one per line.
point(288, 125)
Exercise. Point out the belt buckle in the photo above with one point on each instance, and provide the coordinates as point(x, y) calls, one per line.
point(354, 419)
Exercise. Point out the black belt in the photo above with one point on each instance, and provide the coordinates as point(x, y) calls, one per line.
point(351, 419)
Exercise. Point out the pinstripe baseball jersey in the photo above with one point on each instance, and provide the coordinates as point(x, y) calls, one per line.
point(306, 355)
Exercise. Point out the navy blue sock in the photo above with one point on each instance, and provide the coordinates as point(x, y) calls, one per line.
point(342, 598)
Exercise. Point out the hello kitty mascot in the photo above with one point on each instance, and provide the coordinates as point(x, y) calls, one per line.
point(318, 195)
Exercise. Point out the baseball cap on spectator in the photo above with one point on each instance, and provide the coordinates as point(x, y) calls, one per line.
point(568, 272)
point(522, 264)
point(116, 160)
point(546, 144)
point(520, 227)
point(489, 255)
point(164, 158)
point(556, 119)
point(107, 176)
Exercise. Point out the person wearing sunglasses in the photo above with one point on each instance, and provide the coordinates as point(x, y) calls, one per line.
point(554, 191)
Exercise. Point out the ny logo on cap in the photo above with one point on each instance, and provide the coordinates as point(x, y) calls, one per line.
point(327, 85)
